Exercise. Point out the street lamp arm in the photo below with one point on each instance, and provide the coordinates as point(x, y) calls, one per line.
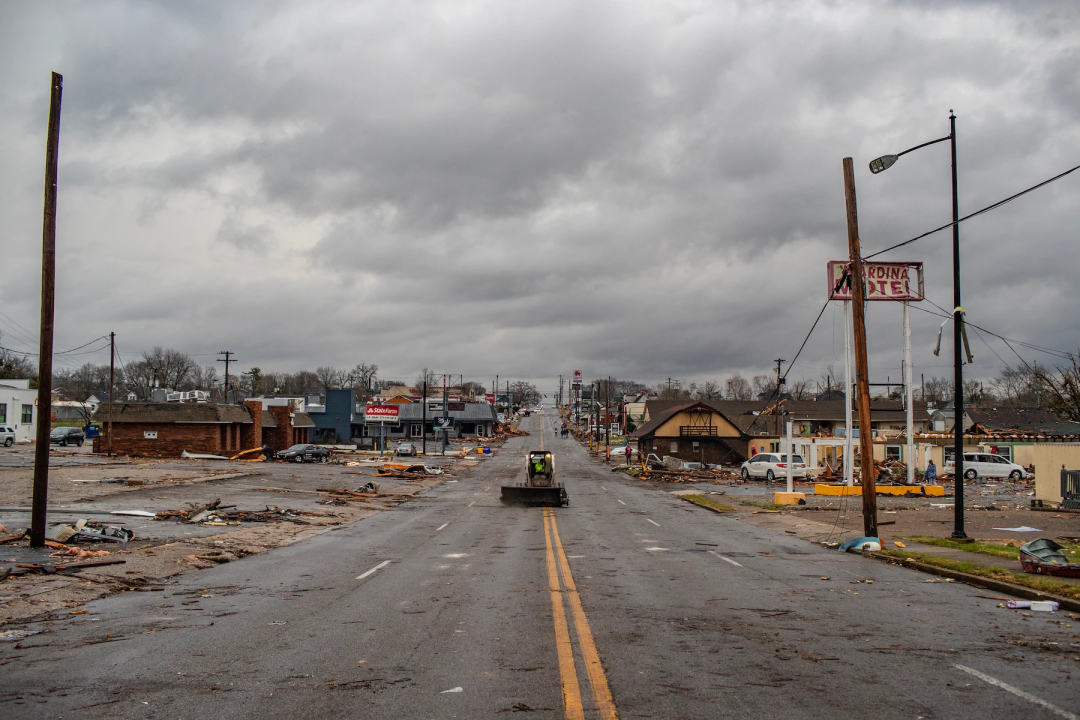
point(932, 142)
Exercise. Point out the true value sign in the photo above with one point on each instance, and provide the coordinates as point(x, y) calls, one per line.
point(381, 413)
point(883, 281)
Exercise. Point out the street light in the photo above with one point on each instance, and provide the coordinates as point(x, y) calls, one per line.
point(884, 163)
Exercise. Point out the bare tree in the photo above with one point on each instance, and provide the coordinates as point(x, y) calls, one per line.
point(764, 385)
point(16, 365)
point(800, 390)
point(205, 377)
point(139, 377)
point(736, 387)
point(362, 378)
point(429, 377)
point(523, 393)
point(829, 380)
point(330, 377)
point(710, 390)
point(1061, 388)
point(938, 390)
point(170, 368)
point(84, 381)
point(1018, 387)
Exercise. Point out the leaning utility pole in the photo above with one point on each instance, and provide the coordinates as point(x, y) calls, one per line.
point(866, 450)
point(112, 389)
point(38, 510)
point(776, 406)
point(228, 355)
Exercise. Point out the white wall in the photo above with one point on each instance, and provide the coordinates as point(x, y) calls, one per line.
point(15, 394)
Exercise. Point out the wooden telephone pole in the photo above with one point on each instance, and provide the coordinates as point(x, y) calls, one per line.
point(867, 471)
point(38, 510)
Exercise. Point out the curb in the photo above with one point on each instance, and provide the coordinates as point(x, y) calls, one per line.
point(979, 581)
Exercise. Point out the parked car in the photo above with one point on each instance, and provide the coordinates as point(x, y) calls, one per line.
point(7, 435)
point(771, 466)
point(406, 448)
point(67, 436)
point(987, 465)
point(304, 453)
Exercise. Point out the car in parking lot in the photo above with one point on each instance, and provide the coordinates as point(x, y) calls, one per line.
point(67, 436)
point(304, 453)
point(406, 448)
point(987, 465)
point(7, 436)
point(771, 466)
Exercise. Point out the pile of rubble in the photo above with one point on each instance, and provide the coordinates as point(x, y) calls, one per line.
point(502, 430)
point(215, 513)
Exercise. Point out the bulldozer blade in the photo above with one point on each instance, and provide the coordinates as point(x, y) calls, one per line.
point(525, 495)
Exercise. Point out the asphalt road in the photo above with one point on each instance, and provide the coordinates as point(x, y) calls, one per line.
point(628, 603)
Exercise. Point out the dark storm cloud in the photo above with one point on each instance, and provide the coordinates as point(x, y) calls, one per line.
point(651, 188)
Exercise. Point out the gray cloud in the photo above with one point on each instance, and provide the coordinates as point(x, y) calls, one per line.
point(647, 190)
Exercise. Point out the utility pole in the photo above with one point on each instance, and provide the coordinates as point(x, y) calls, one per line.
point(776, 407)
point(39, 509)
point(958, 363)
point(862, 374)
point(112, 389)
point(423, 420)
point(445, 408)
point(607, 423)
point(228, 355)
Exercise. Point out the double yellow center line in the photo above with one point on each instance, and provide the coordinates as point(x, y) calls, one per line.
point(556, 565)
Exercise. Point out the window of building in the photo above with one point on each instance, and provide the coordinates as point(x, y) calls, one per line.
point(3, 413)
point(695, 446)
point(674, 446)
point(892, 452)
point(1004, 451)
point(774, 446)
point(27, 414)
point(417, 430)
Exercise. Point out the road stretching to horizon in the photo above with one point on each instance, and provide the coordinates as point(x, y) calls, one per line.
point(628, 603)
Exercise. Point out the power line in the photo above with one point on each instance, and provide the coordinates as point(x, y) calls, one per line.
point(986, 209)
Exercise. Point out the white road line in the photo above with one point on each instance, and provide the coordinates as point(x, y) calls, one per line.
point(374, 570)
point(653, 522)
point(1018, 692)
point(603, 488)
point(471, 504)
point(617, 499)
point(725, 559)
point(441, 527)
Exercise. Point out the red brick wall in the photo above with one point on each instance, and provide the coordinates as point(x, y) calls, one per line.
point(172, 439)
point(251, 436)
point(281, 437)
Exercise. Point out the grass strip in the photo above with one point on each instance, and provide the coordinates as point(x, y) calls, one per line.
point(1012, 552)
point(706, 501)
point(762, 505)
point(1034, 582)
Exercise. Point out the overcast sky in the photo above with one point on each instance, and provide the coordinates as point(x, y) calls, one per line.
point(637, 189)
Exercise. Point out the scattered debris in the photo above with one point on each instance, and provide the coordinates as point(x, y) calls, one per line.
point(14, 635)
point(217, 514)
point(459, 689)
point(201, 456)
point(85, 530)
point(1022, 528)
point(1046, 557)
point(78, 552)
point(135, 513)
point(861, 544)
point(1035, 605)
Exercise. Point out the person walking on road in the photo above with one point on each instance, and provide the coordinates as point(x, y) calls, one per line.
point(930, 475)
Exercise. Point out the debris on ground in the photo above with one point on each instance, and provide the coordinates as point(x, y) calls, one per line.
point(215, 513)
point(77, 552)
point(52, 569)
point(1046, 557)
point(84, 530)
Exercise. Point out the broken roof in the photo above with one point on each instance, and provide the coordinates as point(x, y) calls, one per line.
point(1019, 421)
point(144, 412)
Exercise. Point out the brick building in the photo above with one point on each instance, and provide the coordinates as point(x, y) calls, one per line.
point(168, 429)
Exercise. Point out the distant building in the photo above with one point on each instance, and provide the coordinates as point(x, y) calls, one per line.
point(18, 408)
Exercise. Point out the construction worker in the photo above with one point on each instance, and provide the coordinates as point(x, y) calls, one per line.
point(538, 466)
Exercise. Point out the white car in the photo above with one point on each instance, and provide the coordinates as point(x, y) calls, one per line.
point(772, 465)
point(987, 465)
point(7, 436)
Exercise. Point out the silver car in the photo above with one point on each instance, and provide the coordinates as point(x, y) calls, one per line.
point(771, 466)
point(7, 436)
